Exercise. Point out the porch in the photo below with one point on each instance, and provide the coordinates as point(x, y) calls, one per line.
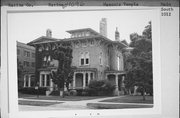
point(82, 78)
point(117, 78)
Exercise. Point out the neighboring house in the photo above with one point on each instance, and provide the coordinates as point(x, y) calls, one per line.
point(26, 65)
point(94, 56)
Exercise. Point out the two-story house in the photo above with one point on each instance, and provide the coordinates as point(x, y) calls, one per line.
point(94, 56)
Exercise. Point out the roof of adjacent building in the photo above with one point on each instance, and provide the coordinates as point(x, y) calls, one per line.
point(23, 45)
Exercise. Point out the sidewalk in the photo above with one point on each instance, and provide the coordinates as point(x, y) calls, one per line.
point(69, 105)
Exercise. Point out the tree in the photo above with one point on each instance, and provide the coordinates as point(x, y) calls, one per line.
point(147, 33)
point(64, 74)
point(139, 69)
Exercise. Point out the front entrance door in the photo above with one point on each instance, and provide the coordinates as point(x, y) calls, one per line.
point(79, 80)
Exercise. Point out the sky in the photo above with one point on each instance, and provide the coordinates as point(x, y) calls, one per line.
point(25, 27)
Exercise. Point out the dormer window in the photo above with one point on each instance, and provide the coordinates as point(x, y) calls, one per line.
point(87, 33)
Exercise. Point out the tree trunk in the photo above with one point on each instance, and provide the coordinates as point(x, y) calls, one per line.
point(144, 98)
point(61, 93)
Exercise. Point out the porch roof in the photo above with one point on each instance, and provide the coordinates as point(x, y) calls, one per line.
point(85, 69)
point(47, 68)
point(115, 72)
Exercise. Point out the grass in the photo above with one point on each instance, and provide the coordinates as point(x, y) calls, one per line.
point(66, 98)
point(116, 106)
point(37, 103)
point(131, 99)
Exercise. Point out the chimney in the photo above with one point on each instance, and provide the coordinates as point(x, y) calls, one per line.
point(117, 35)
point(48, 33)
point(103, 27)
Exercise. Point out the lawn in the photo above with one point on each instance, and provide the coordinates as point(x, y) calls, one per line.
point(131, 99)
point(37, 103)
point(58, 98)
point(115, 106)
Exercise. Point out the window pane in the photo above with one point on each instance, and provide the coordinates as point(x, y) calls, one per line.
point(91, 76)
point(86, 79)
point(48, 81)
point(87, 61)
point(82, 61)
point(43, 80)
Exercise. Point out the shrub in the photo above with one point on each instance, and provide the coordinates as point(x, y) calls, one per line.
point(73, 92)
point(33, 91)
point(100, 87)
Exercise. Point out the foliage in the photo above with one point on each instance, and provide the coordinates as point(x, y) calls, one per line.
point(64, 74)
point(100, 87)
point(33, 91)
point(139, 70)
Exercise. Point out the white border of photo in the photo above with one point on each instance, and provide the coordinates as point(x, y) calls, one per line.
point(9, 94)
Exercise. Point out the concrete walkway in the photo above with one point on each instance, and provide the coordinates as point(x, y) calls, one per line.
point(70, 105)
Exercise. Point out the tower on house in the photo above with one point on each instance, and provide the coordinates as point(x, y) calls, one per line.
point(48, 33)
point(103, 27)
point(117, 37)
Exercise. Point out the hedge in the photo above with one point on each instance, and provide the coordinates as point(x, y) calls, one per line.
point(33, 91)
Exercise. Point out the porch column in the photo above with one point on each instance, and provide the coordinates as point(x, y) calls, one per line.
point(74, 83)
point(29, 80)
point(45, 82)
point(84, 79)
point(40, 80)
point(51, 85)
point(24, 80)
point(122, 81)
point(89, 77)
point(116, 89)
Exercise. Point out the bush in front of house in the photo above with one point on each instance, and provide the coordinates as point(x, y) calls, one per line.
point(100, 88)
point(33, 91)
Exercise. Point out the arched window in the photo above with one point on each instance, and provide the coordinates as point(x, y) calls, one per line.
point(87, 58)
point(82, 58)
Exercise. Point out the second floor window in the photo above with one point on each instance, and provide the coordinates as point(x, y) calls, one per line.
point(84, 58)
point(26, 53)
point(26, 63)
point(33, 55)
point(33, 64)
point(87, 58)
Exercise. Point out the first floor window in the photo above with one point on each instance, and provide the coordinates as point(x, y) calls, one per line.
point(86, 79)
point(43, 80)
point(91, 75)
point(48, 80)
point(26, 81)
